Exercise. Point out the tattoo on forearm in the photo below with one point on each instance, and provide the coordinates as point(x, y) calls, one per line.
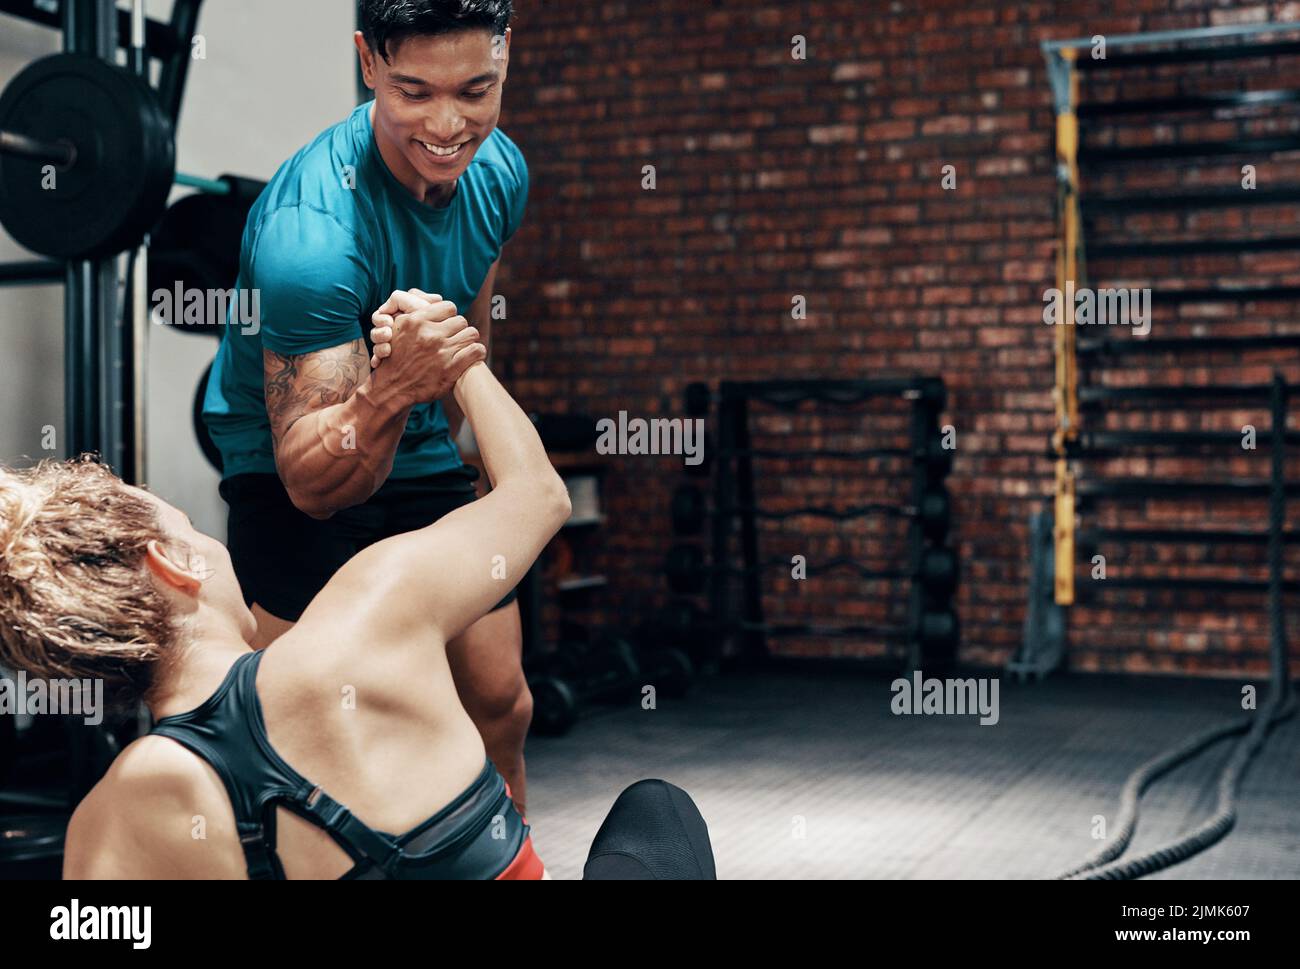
point(297, 385)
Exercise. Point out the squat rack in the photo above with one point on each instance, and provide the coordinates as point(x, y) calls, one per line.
point(104, 358)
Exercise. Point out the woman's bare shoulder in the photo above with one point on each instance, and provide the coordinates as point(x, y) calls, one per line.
point(159, 811)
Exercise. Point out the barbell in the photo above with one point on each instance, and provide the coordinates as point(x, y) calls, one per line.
point(87, 158)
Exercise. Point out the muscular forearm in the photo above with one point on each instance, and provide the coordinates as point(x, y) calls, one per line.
point(338, 456)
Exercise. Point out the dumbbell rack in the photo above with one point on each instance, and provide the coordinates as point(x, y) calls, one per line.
point(930, 632)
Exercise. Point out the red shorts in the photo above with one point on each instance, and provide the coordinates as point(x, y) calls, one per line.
point(526, 866)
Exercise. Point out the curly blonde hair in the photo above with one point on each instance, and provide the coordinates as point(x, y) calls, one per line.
point(76, 599)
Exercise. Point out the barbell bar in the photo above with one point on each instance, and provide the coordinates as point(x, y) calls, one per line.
point(208, 186)
point(63, 155)
point(59, 153)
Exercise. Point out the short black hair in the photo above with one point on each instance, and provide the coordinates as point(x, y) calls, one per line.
point(384, 22)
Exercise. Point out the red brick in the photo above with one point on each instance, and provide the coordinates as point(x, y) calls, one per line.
point(779, 177)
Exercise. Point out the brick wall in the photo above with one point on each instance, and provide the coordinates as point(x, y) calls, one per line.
point(779, 177)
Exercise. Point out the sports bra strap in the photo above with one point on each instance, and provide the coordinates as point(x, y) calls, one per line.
point(359, 840)
point(259, 852)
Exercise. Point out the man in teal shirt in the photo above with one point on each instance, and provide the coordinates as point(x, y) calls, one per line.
point(417, 190)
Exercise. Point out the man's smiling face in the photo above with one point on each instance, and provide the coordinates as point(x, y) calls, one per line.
point(437, 98)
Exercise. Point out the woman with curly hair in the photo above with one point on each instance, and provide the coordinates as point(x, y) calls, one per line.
point(264, 764)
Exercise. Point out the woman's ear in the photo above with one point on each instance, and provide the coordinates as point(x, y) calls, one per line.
point(165, 567)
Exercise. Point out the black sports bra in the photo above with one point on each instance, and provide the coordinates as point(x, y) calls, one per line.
point(479, 835)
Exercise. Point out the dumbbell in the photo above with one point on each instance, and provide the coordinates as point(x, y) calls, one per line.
point(688, 509)
point(937, 458)
point(555, 705)
point(685, 569)
point(615, 669)
point(681, 626)
point(684, 623)
point(610, 669)
point(939, 630)
point(578, 674)
point(934, 513)
point(937, 571)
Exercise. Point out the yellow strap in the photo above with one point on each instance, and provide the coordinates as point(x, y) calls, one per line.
point(1066, 389)
point(1064, 532)
point(1067, 137)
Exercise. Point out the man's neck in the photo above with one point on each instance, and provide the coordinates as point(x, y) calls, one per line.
point(434, 195)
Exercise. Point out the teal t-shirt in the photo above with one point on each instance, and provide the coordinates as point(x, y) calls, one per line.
point(327, 242)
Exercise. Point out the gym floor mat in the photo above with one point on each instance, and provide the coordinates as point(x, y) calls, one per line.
point(812, 776)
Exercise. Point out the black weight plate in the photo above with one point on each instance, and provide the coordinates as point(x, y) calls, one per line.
point(683, 621)
point(126, 158)
point(688, 510)
point(673, 672)
point(938, 571)
point(936, 514)
point(30, 837)
point(940, 630)
point(196, 246)
point(567, 659)
point(684, 567)
point(620, 657)
point(555, 706)
point(206, 444)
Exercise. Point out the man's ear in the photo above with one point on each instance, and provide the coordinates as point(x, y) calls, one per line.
point(167, 570)
point(367, 59)
point(505, 55)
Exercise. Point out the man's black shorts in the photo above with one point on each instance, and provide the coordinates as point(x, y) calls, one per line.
point(283, 557)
